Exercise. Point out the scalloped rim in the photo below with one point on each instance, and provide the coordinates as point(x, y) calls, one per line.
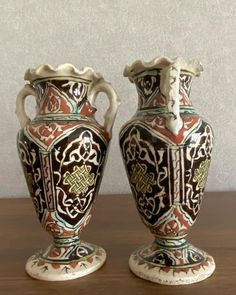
point(63, 70)
point(194, 67)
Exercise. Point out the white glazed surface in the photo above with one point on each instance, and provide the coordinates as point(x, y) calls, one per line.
point(82, 269)
point(63, 70)
point(156, 275)
point(193, 66)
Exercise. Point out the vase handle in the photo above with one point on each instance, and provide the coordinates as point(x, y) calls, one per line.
point(20, 104)
point(109, 117)
point(169, 86)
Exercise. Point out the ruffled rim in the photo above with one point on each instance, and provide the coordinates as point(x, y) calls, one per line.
point(63, 70)
point(194, 67)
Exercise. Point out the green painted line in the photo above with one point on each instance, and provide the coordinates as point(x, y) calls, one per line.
point(164, 110)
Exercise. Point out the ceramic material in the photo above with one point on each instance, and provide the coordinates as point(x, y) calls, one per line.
point(167, 148)
point(63, 152)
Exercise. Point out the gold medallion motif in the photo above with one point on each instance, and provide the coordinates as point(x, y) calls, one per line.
point(200, 174)
point(142, 180)
point(80, 179)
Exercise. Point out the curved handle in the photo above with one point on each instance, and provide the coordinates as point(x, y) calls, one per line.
point(109, 117)
point(169, 86)
point(20, 104)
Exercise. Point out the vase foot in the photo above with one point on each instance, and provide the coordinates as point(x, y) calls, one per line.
point(172, 266)
point(66, 263)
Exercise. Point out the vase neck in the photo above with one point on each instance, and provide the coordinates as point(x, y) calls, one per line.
point(150, 95)
point(63, 97)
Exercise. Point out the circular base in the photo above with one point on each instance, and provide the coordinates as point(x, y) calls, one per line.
point(43, 267)
point(189, 265)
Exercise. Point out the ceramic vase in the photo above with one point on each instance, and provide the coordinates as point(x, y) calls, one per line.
point(166, 149)
point(63, 153)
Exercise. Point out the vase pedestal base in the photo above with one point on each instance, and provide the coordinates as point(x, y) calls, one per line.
point(172, 266)
point(66, 263)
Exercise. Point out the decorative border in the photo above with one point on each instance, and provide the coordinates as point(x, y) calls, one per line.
point(194, 67)
point(163, 110)
point(52, 270)
point(166, 275)
point(63, 70)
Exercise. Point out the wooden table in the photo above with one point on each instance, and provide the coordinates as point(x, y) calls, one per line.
point(116, 226)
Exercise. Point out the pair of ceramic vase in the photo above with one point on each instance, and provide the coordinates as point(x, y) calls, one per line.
point(166, 149)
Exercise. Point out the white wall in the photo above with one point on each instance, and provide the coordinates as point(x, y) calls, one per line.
point(107, 35)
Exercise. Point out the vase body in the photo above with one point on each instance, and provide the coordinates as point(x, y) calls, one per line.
point(63, 152)
point(166, 149)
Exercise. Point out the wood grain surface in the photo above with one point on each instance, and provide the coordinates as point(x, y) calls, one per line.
point(116, 226)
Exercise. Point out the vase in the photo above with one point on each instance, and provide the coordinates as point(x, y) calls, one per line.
point(63, 153)
point(166, 148)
